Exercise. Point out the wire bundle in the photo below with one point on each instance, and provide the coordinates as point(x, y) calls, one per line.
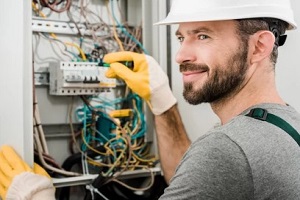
point(123, 139)
point(41, 149)
point(116, 36)
point(54, 4)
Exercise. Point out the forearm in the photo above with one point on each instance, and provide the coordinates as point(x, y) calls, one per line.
point(172, 140)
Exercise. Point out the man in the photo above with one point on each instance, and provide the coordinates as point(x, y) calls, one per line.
point(227, 58)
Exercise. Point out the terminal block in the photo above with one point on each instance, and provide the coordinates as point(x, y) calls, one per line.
point(78, 78)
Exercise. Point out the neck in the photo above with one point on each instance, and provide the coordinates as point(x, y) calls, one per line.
point(259, 89)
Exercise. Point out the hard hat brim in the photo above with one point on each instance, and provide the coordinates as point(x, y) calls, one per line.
point(218, 15)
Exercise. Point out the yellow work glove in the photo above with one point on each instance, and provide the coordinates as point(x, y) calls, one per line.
point(19, 182)
point(147, 79)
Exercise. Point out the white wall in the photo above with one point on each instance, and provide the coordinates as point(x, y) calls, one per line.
point(198, 119)
point(16, 77)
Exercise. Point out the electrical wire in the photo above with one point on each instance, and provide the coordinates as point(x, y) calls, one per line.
point(48, 159)
point(54, 4)
point(40, 13)
point(78, 48)
point(63, 51)
point(40, 142)
point(42, 160)
point(72, 20)
point(125, 158)
point(134, 188)
point(114, 27)
point(125, 31)
point(38, 126)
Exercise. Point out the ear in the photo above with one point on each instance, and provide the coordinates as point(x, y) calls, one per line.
point(263, 43)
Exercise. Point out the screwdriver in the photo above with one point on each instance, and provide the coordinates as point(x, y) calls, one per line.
point(128, 64)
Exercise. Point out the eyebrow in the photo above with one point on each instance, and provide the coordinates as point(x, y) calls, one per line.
point(195, 31)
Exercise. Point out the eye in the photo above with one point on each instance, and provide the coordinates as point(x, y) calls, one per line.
point(202, 37)
point(180, 38)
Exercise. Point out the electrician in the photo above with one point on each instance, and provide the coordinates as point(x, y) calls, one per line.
point(227, 58)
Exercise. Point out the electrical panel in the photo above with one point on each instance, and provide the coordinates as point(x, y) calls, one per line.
point(92, 133)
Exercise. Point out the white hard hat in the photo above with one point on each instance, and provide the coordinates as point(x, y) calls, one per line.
point(213, 10)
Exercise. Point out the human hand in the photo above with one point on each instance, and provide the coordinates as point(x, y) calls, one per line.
point(19, 181)
point(147, 79)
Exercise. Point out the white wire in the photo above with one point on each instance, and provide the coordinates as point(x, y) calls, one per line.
point(90, 188)
point(85, 168)
point(86, 164)
point(93, 190)
point(97, 191)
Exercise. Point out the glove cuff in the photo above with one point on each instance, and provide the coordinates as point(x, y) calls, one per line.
point(28, 185)
point(162, 99)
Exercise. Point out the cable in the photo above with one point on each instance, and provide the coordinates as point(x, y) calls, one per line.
point(114, 28)
point(38, 126)
point(54, 35)
point(54, 4)
point(44, 164)
point(126, 32)
point(40, 13)
point(78, 48)
point(134, 188)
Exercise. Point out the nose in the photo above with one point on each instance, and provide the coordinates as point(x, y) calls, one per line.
point(185, 54)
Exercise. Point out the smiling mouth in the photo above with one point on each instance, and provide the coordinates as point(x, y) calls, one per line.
point(192, 68)
point(188, 73)
point(194, 76)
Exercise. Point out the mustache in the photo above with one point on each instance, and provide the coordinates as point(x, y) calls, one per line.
point(184, 67)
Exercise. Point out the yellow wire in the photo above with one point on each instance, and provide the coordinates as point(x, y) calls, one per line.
point(115, 163)
point(95, 150)
point(42, 15)
point(54, 35)
point(99, 164)
point(123, 161)
point(114, 28)
point(78, 48)
point(144, 160)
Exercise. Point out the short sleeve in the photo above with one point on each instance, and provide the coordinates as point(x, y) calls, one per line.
point(215, 168)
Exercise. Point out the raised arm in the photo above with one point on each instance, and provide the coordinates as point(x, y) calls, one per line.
point(172, 140)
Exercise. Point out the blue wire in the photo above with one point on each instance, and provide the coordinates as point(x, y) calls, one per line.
point(84, 114)
point(126, 32)
point(84, 125)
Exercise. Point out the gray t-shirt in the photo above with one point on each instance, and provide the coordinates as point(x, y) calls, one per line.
point(243, 159)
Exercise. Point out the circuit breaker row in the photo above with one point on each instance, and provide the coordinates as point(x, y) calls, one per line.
point(78, 78)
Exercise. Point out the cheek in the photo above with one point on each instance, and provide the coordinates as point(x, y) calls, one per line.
point(219, 59)
point(214, 55)
point(205, 55)
point(210, 55)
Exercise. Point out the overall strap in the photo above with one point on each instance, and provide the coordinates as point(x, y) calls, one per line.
point(263, 115)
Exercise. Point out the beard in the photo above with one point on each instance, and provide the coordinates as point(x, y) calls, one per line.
point(223, 81)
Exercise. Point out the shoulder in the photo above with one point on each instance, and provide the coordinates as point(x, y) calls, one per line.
point(214, 147)
point(213, 166)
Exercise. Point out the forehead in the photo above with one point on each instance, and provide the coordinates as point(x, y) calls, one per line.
point(213, 27)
